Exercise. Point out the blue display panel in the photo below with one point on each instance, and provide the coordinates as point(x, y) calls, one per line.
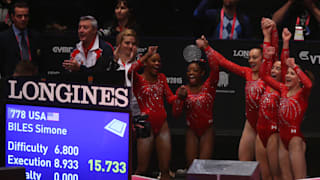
point(67, 144)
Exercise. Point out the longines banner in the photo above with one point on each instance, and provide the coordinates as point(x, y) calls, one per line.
point(229, 107)
point(59, 93)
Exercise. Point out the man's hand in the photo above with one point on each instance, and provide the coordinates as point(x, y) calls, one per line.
point(71, 65)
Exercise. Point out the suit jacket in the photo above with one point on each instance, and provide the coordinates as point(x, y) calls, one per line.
point(10, 52)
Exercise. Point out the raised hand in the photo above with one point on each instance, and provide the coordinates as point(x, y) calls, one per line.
point(182, 92)
point(291, 63)
point(269, 52)
point(286, 34)
point(266, 26)
point(116, 53)
point(152, 49)
point(202, 42)
point(133, 53)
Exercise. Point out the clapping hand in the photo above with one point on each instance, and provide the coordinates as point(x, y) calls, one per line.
point(182, 92)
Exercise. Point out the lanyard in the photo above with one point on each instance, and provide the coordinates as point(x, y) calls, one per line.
point(28, 44)
point(221, 23)
point(307, 21)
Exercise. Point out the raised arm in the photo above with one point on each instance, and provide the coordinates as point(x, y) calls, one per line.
point(266, 69)
point(233, 67)
point(139, 63)
point(270, 35)
point(286, 36)
point(167, 91)
point(202, 43)
point(275, 40)
point(214, 66)
point(203, 11)
point(307, 84)
point(312, 7)
point(278, 16)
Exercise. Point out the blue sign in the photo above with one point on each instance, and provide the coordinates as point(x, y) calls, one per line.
point(67, 144)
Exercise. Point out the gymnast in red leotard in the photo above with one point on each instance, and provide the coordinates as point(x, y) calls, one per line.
point(294, 95)
point(267, 141)
point(150, 88)
point(199, 106)
point(254, 89)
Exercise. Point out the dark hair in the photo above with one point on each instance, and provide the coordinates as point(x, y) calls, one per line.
point(131, 18)
point(18, 4)
point(201, 63)
point(258, 47)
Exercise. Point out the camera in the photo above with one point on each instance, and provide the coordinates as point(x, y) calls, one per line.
point(140, 120)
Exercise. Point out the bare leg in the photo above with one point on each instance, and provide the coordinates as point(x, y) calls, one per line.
point(247, 143)
point(261, 156)
point(206, 144)
point(297, 149)
point(144, 150)
point(192, 146)
point(163, 145)
point(273, 156)
point(284, 162)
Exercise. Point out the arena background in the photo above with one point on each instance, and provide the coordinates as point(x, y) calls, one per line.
point(170, 25)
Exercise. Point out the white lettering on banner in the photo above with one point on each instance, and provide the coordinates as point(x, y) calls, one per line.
point(223, 79)
point(174, 80)
point(241, 53)
point(306, 56)
point(62, 49)
point(69, 93)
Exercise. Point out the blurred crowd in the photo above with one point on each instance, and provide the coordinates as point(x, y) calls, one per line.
point(175, 18)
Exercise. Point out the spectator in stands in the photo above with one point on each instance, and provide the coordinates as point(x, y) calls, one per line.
point(225, 23)
point(123, 19)
point(18, 42)
point(125, 56)
point(85, 56)
point(5, 21)
point(305, 13)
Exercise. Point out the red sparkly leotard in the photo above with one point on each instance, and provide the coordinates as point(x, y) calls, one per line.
point(292, 108)
point(150, 96)
point(199, 106)
point(268, 120)
point(253, 89)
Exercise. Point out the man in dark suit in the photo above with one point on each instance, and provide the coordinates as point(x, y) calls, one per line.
point(18, 43)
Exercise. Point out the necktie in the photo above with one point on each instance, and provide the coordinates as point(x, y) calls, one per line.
point(24, 47)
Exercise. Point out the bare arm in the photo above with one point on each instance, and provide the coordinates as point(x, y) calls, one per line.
point(279, 14)
point(313, 9)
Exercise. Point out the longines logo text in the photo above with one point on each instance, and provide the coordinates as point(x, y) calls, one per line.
point(68, 93)
point(241, 53)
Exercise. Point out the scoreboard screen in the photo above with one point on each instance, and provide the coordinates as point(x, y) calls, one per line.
point(67, 144)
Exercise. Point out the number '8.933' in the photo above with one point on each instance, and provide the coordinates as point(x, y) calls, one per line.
point(107, 166)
